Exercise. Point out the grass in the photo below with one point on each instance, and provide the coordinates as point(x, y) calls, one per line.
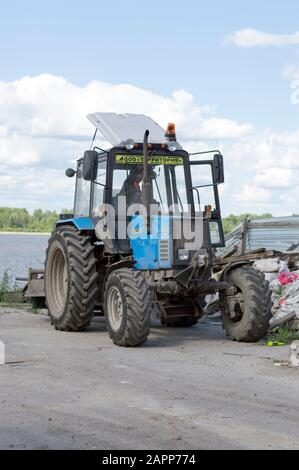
point(18, 306)
point(283, 334)
point(9, 295)
point(4, 285)
point(4, 281)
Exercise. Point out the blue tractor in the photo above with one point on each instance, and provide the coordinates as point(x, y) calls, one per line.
point(140, 241)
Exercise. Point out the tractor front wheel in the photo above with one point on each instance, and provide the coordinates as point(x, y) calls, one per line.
point(127, 305)
point(246, 311)
point(71, 279)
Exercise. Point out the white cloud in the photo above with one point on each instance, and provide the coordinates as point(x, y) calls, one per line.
point(264, 171)
point(18, 151)
point(249, 37)
point(50, 106)
point(253, 195)
point(43, 130)
point(36, 188)
point(276, 178)
point(266, 149)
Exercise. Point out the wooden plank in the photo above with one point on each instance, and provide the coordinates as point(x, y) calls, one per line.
point(249, 256)
point(244, 236)
point(230, 251)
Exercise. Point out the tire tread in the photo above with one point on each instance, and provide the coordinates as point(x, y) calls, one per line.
point(83, 283)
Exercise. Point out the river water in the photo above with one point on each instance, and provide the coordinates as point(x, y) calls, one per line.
point(20, 252)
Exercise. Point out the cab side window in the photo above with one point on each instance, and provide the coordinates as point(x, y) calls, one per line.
point(203, 190)
point(99, 186)
point(82, 198)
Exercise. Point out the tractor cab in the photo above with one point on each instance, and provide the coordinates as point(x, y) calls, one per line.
point(179, 188)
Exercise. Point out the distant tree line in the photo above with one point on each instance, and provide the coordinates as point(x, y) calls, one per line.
point(20, 220)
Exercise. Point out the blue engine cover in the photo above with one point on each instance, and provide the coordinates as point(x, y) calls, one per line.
point(154, 251)
point(150, 252)
point(81, 223)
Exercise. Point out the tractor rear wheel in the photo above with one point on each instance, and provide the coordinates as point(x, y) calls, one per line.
point(247, 311)
point(70, 279)
point(127, 306)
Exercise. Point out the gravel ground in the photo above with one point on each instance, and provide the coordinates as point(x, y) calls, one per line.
point(186, 389)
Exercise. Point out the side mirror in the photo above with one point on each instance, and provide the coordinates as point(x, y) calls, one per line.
point(90, 165)
point(218, 169)
point(70, 172)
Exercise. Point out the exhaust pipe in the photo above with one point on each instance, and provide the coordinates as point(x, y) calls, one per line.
point(146, 182)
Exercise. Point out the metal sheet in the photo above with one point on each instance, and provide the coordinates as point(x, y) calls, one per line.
point(277, 233)
point(36, 288)
point(117, 128)
point(272, 238)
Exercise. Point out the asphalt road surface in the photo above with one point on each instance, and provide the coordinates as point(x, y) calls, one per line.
point(188, 388)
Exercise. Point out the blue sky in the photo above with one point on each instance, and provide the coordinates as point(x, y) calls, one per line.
point(164, 46)
point(161, 47)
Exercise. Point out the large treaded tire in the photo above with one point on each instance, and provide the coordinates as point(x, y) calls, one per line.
point(72, 294)
point(254, 323)
point(134, 294)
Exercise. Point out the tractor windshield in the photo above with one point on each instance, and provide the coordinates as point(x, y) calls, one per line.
point(167, 176)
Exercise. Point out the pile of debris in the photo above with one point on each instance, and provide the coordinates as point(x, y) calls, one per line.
point(284, 284)
point(272, 245)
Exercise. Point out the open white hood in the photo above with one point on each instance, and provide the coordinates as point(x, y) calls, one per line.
point(117, 128)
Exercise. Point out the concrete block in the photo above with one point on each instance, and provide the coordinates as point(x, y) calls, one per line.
point(267, 265)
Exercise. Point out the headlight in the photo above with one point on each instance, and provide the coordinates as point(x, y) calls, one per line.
point(172, 145)
point(183, 255)
point(129, 144)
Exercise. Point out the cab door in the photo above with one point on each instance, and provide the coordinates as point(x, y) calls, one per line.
point(82, 195)
point(206, 175)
